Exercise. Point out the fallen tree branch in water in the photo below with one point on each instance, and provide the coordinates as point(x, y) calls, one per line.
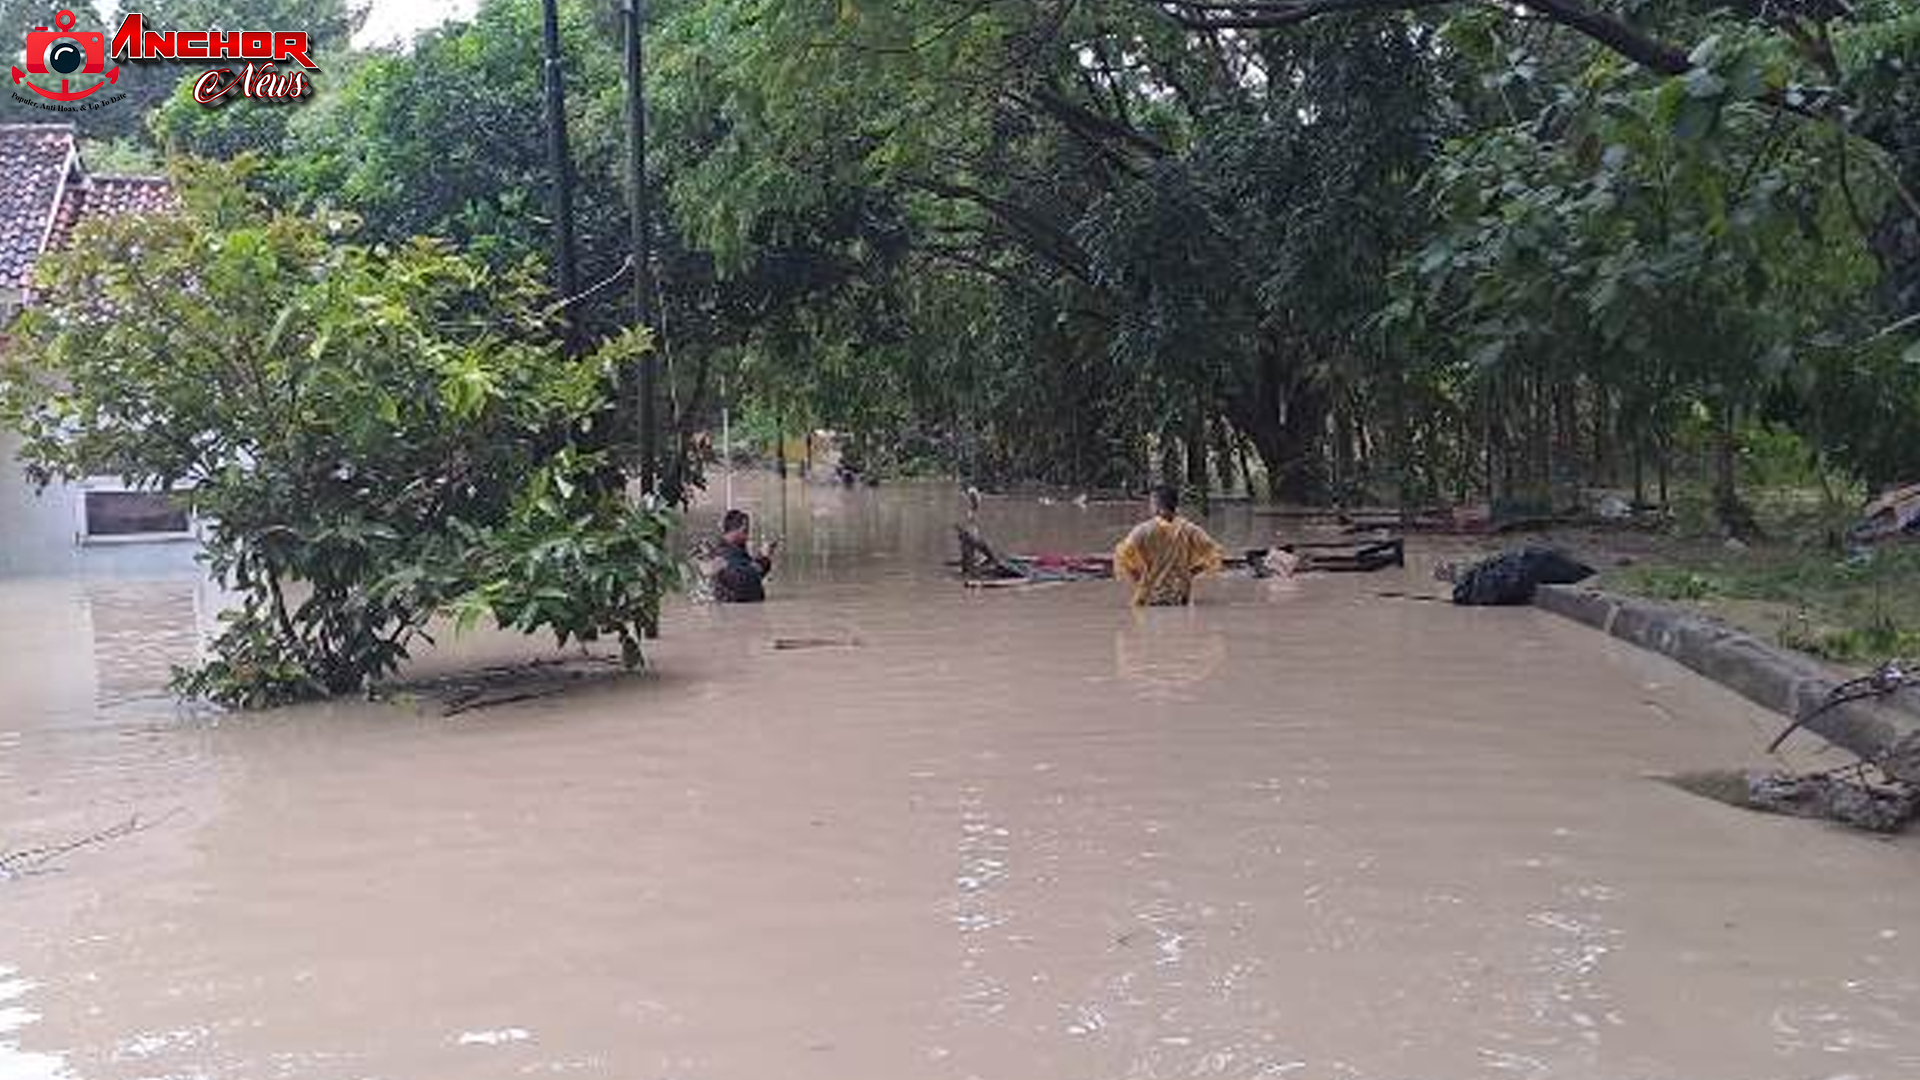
point(505, 684)
point(479, 700)
point(1873, 793)
point(1883, 680)
point(1856, 794)
point(787, 644)
point(35, 860)
point(1423, 598)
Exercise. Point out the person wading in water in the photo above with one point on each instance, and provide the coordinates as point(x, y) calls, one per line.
point(742, 576)
point(1162, 554)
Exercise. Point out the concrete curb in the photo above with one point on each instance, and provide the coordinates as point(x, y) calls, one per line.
point(1887, 731)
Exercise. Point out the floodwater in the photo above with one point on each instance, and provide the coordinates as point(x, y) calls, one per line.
point(1300, 830)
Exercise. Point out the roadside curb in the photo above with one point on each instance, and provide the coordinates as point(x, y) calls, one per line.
point(1783, 681)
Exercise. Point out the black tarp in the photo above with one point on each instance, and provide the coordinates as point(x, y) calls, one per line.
point(1512, 576)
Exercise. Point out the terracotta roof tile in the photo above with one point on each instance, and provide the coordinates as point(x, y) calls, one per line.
point(34, 159)
point(108, 196)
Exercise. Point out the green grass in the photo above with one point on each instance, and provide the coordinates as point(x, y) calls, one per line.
point(1844, 608)
point(1671, 583)
point(1853, 644)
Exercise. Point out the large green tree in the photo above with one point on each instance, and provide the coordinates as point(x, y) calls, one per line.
point(371, 436)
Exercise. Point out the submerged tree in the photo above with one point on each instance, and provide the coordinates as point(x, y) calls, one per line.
point(371, 437)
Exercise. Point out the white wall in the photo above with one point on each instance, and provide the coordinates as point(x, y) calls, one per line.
point(38, 531)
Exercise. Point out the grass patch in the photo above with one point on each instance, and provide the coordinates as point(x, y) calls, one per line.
point(1850, 609)
point(1851, 644)
point(1670, 583)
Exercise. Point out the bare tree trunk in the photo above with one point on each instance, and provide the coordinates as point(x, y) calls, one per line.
point(1340, 461)
point(1606, 435)
point(1734, 515)
point(1639, 470)
point(1486, 445)
point(1198, 483)
point(1542, 470)
point(1566, 423)
point(1726, 488)
point(1662, 451)
point(1079, 475)
point(1220, 444)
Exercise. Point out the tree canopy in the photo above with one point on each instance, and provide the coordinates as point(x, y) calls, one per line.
point(1334, 249)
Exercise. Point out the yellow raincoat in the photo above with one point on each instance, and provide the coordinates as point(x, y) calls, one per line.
point(1161, 557)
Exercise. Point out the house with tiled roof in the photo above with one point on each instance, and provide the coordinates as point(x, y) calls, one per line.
point(36, 159)
point(50, 192)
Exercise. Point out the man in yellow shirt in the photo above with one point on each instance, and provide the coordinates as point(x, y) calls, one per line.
point(1162, 554)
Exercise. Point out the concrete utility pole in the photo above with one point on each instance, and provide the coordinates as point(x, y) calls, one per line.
point(726, 438)
point(566, 279)
point(631, 15)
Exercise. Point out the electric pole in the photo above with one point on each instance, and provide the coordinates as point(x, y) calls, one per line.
point(631, 13)
point(561, 165)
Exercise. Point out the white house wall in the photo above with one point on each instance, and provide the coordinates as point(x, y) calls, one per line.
point(39, 531)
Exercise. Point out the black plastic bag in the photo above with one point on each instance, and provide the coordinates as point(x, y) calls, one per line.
point(1511, 577)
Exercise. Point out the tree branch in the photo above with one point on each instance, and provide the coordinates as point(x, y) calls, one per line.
point(1038, 235)
point(1616, 34)
point(1082, 120)
point(1265, 15)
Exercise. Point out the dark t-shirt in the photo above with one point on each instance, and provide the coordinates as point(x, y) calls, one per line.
point(741, 577)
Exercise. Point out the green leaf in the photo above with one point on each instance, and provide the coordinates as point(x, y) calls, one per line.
point(1696, 118)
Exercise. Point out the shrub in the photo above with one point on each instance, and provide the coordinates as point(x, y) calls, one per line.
point(372, 436)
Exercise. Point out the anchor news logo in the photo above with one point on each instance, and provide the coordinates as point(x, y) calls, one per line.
point(79, 61)
point(62, 52)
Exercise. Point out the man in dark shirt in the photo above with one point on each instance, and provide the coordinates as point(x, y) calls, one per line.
point(741, 577)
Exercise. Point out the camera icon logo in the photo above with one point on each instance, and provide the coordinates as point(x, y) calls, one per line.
point(63, 53)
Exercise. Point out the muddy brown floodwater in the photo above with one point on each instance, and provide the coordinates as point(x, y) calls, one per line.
point(1298, 830)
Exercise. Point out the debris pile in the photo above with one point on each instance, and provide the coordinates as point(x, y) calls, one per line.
point(1512, 577)
point(1894, 514)
point(982, 566)
point(1879, 795)
point(1849, 795)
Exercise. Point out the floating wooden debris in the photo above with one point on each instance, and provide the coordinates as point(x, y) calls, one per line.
point(20, 862)
point(983, 567)
point(785, 644)
point(507, 684)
